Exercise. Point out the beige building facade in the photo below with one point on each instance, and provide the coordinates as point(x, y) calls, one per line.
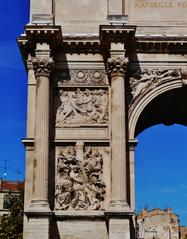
point(99, 73)
point(157, 223)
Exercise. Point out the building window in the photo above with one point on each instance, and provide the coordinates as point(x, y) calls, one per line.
point(6, 201)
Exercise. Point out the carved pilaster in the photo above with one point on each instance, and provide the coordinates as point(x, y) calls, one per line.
point(131, 145)
point(117, 69)
point(42, 68)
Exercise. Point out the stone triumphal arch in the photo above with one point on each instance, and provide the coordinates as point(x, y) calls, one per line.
point(99, 73)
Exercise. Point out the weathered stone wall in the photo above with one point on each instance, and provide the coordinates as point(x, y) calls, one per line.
point(85, 16)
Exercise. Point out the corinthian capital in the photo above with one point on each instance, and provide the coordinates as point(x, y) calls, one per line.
point(117, 66)
point(42, 66)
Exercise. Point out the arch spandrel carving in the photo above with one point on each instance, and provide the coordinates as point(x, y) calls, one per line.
point(148, 94)
point(147, 84)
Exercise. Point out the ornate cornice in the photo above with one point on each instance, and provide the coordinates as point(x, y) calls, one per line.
point(117, 66)
point(34, 34)
point(99, 43)
point(160, 44)
point(116, 33)
point(42, 66)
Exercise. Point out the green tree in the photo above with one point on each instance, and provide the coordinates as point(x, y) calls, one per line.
point(11, 225)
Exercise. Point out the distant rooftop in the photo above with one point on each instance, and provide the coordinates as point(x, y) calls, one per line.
point(10, 185)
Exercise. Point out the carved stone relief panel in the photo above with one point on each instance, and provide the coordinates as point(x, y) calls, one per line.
point(82, 107)
point(143, 81)
point(79, 182)
point(81, 77)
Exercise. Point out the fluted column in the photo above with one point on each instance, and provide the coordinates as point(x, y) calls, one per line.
point(116, 70)
point(42, 67)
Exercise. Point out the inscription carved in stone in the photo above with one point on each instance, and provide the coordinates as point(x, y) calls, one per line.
point(141, 83)
point(79, 183)
point(82, 107)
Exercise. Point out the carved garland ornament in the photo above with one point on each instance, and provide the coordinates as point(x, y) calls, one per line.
point(42, 66)
point(79, 184)
point(82, 107)
point(81, 77)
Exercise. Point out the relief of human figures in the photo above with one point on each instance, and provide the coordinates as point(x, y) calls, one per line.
point(149, 78)
point(79, 183)
point(82, 107)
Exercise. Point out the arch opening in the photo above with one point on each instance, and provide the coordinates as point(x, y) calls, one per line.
point(168, 108)
point(161, 152)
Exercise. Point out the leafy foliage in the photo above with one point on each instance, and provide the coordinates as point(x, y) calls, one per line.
point(11, 225)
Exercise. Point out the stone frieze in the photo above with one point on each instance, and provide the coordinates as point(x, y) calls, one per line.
point(82, 107)
point(81, 77)
point(79, 183)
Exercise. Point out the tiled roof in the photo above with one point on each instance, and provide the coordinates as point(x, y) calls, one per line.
point(11, 185)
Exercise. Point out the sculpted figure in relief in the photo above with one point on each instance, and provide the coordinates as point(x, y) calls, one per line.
point(79, 183)
point(66, 195)
point(82, 107)
point(149, 78)
point(139, 85)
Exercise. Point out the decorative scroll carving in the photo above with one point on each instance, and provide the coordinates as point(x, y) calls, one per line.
point(82, 107)
point(81, 77)
point(117, 66)
point(79, 183)
point(42, 66)
point(141, 83)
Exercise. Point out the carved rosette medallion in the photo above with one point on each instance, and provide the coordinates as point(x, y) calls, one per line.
point(97, 76)
point(42, 66)
point(82, 107)
point(81, 77)
point(79, 184)
point(117, 66)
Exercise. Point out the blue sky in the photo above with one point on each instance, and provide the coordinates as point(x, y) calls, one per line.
point(13, 16)
point(161, 169)
point(161, 162)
